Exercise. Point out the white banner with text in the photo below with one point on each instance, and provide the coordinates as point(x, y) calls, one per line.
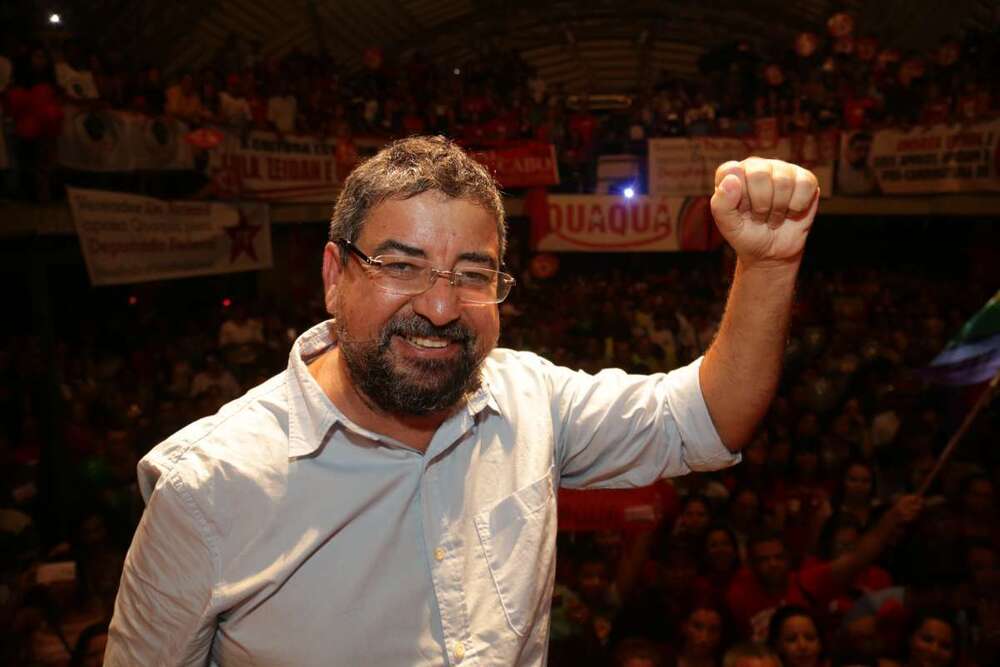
point(128, 238)
point(685, 167)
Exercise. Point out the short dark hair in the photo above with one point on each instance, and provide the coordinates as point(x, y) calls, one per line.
point(762, 536)
point(409, 167)
point(748, 650)
point(637, 648)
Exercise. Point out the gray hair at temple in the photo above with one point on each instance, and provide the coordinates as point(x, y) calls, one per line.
point(407, 168)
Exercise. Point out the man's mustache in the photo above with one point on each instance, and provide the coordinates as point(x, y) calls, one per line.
point(424, 328)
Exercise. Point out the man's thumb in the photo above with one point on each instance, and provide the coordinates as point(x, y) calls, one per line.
point(726, 200)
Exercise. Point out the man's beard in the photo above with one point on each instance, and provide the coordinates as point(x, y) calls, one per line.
point(406, 391)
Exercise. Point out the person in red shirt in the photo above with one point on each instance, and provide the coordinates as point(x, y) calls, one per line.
point(720, 558)
point(840, 535)
point(769, 583)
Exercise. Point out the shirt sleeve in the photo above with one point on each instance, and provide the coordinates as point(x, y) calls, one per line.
point(818, 585)
point(616, 429)
point(162, 613)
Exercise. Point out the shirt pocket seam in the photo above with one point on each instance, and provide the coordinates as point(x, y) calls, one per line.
point(529, 500)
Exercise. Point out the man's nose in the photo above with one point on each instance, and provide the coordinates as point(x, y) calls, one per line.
point(439, 304)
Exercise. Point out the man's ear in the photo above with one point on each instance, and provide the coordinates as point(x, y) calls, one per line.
point(332, 274)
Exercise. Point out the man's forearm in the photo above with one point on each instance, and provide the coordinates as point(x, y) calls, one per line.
point(742, 366)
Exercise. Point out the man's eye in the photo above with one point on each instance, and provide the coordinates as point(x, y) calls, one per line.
point(477, 278)
point(401, 269)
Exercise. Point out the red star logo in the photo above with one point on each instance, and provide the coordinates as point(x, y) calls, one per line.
point(241, 238)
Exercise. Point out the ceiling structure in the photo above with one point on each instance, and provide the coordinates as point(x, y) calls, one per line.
point(600, 46)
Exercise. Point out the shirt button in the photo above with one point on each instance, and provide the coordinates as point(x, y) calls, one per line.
point(459, 652)
point(439, 556)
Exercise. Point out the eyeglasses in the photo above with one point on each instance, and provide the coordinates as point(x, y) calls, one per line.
point(410, 276)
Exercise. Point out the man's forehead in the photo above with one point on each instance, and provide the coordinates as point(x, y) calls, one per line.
point(431, 224)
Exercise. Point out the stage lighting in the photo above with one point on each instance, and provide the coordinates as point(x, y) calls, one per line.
point(55, 19)
point(457, 71)
point(227, 302)
point(629, 192)
point(133, 299)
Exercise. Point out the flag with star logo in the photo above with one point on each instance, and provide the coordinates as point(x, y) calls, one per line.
point(128, 238)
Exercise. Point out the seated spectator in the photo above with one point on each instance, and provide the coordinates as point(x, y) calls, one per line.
point(149, 97)
point(699, 119)
point(856, 494)
point(693, 520)
point(720, 558)
point(840, 536)
point(656, 611)
point(282, 108)
point(704, 636)
point(216, 376)
point(234, 109)
point(794, 634)
point(931, 641)
point(241, 337)
point(184, 102)
point(769, 582)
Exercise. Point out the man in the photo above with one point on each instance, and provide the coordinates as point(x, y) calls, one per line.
point(754, 595)
point(855, 176)
point(390, 498)
point(184, 103)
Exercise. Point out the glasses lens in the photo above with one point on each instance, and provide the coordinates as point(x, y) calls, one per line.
point(410, 276)
point(400, 274)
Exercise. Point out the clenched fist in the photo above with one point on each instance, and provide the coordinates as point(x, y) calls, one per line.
point(764, 209)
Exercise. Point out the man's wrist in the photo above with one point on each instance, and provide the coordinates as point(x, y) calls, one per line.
point(771, 269)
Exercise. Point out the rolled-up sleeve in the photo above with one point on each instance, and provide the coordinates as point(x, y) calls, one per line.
point(616, 429)
point(163, 611)
point(702, 448)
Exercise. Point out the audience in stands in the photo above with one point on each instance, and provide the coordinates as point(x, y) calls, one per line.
point(738, 92)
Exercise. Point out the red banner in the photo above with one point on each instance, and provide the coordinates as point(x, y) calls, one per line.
point(522, 165)
point(616, 509)
point(613, 223)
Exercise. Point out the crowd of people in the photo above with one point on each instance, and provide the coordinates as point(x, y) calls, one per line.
point(498, 97)
point(814, 551)
point(814, 548)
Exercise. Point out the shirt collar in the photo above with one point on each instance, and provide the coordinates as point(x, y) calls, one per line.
point(311, 413)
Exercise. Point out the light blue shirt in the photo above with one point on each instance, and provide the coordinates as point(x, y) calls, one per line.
point(278, 532)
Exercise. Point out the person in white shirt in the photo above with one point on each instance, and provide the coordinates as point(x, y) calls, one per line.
point(234, 108)
point(390, 499)
point(184, 102)
point(282, 108)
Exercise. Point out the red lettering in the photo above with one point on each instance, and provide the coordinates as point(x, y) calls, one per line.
point(597, 219)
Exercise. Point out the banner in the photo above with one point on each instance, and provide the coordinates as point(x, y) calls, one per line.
point(686, 166)
point(267, 167)
point(104, 140)
point(613, 223)
point(921, 160)
point(522, 165)
point(642, 508)
point(128, 238)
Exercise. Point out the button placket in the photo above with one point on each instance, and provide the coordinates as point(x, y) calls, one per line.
point(447, 587)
